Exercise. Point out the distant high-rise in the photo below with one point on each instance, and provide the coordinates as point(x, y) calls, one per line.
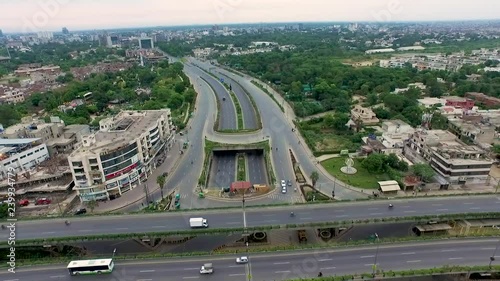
point(47, 35)
point(146, 43)
point(1, 33)
point(65, 30)
point(112, 41)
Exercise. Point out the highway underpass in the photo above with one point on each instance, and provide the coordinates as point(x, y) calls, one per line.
point(285, 265)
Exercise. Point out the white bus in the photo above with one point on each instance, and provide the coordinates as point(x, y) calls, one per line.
point(91, 266)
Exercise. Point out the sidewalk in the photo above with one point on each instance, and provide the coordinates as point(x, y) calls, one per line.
point(137, 194)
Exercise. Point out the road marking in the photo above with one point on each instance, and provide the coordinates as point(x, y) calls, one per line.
point(286, 271)
point(409, 211)
point(413, 261)
point(325, 259)
point(475, 208)
point(159, 226)
point(372, 208)
point(281, 262)
point(271, 221)
point(369, 264)
point(121, 228)
point(455, 258)
point(325, 268)
point(341, 216)
point(493, 248)
point(239, 274)
point(51, 232)
point(191, 268)
point(450, 250)
point(144, 279)
point(409, 253)
point(56, 276)
point(236, 265)
point(11, 280)
point(233, 222)
point(375, 214)
point(441, 210)
point(149, 270)
point(437, 204)
point(364, 257)
point(269, 215)
point(468, 203)
point(191, 277)
point(405, 206)
point(305, 218)
point(85, 230)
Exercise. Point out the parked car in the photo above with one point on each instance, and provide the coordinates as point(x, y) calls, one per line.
point(43, 201)
point(24, 202)
point(289, 182)
point(242, 260)
point(81, 211)
point(283, 189)
point(283, 183)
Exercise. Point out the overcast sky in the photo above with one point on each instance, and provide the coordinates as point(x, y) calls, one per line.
point(41, 15)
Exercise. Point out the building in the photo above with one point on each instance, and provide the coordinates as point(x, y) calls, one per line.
point(45, 35)
point(11, 95)
point(430, 102)
point(453, 160)
point(365, 115)
point(33, 128)
point(479, 131)
point(146, 43)
point(36, 72)
point(71, 137)
point(21, 155)
point(112, 41)
point(459, 102)
point(484, 99)
point(395, 133)
point(65, 31)
point(121, 154)
point(378, 51)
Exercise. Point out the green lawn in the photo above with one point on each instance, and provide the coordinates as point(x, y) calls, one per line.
point(362, 179)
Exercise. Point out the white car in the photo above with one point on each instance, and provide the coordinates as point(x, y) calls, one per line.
point(242, 260)
point(283, 183)
point(283, 189)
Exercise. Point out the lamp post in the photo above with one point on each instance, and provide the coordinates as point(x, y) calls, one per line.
point(376, 255)
point(492, 258)
point(114, 252)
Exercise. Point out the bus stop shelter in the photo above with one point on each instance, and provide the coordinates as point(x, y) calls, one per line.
point(389, 187)
point(432, 229)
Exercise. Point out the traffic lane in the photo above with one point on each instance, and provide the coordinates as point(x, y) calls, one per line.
point(256, 217)
point(256, 169)
point(249, 114)
point(361, 260)
point(223, 171)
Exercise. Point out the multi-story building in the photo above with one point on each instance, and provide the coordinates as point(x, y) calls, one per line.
point(20, 155)
point(484, 99)
point(364, 115)
point(11, 95)
point(395, 133)
point(459, 102)
point(120, 155)
point(33, 128)
point(453, 160)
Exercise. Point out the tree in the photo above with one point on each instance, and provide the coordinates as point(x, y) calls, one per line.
point(92, 204)
point(375, 163)
point(314, 177)
point(424, 171)
point(160, 180)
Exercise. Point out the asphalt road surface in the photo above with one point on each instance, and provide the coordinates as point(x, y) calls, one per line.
point(249, 114)
point(223, 170)
point(254, 216)
point(228, 110)
point(256, 167)
point(286, 265)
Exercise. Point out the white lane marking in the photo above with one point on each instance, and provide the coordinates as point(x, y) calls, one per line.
point(468, 203)
point(240, 265)
point(11, 280)
point(191, 268)
point(409, 253)
point(449, 250)
point(281, 262)
point(305, 218)
point(341, 216)
point(51, 232)
point(437, 204)
point(239, 274)
point(492, 248)
point(286, 271)
point(325, 268)
point(475, 208)
point(56, 276)
point(85, 230)
point(369, 264)
point(159, 226)
point(365, 257)
point(121, 228)
point(149, 270)
point(372, 208)
point(325, 259)
point(375, 214)
point(271, 221)
point(441, 210)
point(455, 258)
point(269, 215)
point(413, 261)
point(233, 222)
point(144, 279)
point(410, 211)
point(191, 277)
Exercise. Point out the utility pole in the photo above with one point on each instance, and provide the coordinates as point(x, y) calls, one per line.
point(492, 258)
point(376, 254)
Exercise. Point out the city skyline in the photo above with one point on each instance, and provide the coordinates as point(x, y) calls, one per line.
point(52, 15)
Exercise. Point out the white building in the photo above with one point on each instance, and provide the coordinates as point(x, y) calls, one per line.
point(21, 155)
point(46, 35)
point(395, 133)
point(378, 51)
point(120, 155)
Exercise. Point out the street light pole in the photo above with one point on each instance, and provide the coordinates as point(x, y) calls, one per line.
point(492, 258)
point(376, 255)
point(114, 252)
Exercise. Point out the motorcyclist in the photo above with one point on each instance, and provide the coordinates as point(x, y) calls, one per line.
point(390, 206)
point(67, 222)
point(320, 274)
point(292, 214)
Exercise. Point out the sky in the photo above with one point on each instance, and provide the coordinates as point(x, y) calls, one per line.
point(52, 15)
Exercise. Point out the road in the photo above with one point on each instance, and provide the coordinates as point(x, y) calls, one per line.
point(223, 170)
point(286, 265)
point(227, 116)
point(249, 115)
point(279, 129)
point(254, 216)
point(256, 167)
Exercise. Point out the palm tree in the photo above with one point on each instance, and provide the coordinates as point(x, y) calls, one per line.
point(160, 180)
point(314, 177)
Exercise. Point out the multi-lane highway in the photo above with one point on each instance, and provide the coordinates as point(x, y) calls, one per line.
point(286, 265)
point(144, 223)
point(223, 170)
point(256, 167)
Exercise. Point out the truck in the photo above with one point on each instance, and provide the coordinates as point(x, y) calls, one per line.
point(198, 222)
point(207, 269)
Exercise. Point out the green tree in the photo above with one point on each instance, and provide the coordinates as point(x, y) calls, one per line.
point(314, 178)
point(92, 204)
point(375, 163)
point(424, 171)
point(160, 180)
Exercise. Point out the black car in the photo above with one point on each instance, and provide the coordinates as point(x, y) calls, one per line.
point(289, 183)
point(81, 211)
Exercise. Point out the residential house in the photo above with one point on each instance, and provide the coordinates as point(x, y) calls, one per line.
point(364, 115)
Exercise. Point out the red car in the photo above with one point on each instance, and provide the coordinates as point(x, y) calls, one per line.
point(24, 202)
point(42, 201)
